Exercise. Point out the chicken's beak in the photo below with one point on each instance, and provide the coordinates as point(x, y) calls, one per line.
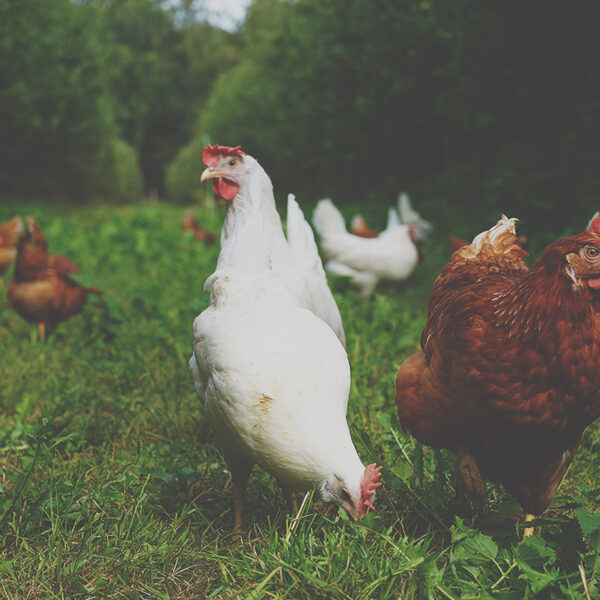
point(211, 173)
point(353, 514)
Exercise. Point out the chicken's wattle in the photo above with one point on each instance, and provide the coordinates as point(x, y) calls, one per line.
point(225, 189)
point(368, 485)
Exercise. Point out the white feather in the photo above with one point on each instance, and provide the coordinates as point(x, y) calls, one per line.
point(296, 261)
point(306, 254)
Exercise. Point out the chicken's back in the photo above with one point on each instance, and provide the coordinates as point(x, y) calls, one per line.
point(61, 264)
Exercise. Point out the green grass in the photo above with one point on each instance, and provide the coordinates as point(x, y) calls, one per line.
point(111, 484)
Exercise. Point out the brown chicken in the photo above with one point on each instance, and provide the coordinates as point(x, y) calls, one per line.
point(9, 238)
point(358, 226)
point(508, 378)
point(190, 223)
point(41, 291)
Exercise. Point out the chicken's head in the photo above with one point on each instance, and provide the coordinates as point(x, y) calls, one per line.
point(356, 500)
point(582, 257)
point(33, 236)
point(227, 168)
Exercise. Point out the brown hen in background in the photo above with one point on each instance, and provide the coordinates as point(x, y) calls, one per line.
point(41, 291)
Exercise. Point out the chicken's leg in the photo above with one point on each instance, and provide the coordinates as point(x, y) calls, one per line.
point(290, 498)
point(528, 531)
point(41, 331)
point(470, 473)
point(419, 463)
point(240, 471)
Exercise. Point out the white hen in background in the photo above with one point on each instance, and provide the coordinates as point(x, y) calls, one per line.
point(274, 378)
point(390, 256)
point(405, 213)
point(240, 180)
point(409, 216)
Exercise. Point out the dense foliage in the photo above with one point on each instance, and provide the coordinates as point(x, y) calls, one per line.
point(112, 486)
point(486, 106)
point(475, 107)
point(90, 92)
point(54, 103)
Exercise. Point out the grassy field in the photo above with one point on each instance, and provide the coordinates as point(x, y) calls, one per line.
point(111, 485)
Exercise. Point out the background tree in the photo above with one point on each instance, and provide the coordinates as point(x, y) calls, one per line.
point(56, 120)
point(476, 107)
point(159, 75)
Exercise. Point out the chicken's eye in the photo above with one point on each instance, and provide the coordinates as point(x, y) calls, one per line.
point(232, 162)
point(592, 252)
point(345, 495)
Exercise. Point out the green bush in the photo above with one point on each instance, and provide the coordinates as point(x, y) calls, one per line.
point(55, 111)
point(121, 177)
point(474, 104)
point(183, 174)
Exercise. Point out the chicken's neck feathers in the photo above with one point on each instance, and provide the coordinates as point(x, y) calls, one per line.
point(537, 300)
point(255, 192)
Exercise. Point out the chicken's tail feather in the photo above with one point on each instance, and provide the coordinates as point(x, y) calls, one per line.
point(500, 239)
point(327, 219)
point(301, 238)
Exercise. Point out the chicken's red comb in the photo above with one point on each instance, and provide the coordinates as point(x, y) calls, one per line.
point(210, 154)
point(595, 227)
point(368, 485)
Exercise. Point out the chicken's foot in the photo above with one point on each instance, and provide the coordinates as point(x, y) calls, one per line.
point(239, 505)
point(470, 473)
point(290, 498)
point(41, 326)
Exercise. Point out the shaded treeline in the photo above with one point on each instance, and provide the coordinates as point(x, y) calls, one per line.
point(97, 97)
point(477, 106)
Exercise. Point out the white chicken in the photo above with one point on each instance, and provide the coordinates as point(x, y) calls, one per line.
point(391, 255)
point(274, 378)
point(239, 179)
